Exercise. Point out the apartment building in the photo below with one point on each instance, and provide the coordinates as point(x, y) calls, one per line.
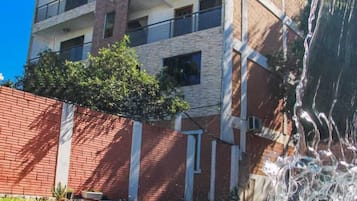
point(219, 48)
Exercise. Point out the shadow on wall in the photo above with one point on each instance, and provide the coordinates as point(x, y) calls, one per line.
point(163, 164)
point(100, 159)
point(100, 155)
point(47, 128)
point(264, 101)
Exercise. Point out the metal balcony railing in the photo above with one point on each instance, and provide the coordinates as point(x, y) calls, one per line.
point(75, 53)
point(57, 7)
point(198, 21)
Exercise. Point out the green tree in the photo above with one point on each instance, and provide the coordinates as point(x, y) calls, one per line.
point(110, 81)
point(289, 69)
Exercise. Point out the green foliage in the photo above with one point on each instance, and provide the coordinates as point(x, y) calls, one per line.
point(234, 194)
point(110, 82)
point(290, 68)
point(16, 199)
point(12, 84)
point(59, 192)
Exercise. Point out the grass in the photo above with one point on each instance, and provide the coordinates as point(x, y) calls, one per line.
point(17, 199)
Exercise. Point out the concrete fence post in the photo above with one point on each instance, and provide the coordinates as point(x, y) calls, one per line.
point(65, 143)
point(235, 156)
point(190, 161)
point(135, 161)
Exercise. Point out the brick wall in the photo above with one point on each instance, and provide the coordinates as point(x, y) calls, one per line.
point(261, 150)
point(263, 96)
point(100, 151)
point(29, 132)
point(163, 165)
point(208, 92)
point(264, 29)
point(236, 84)
point(121, 13)
point(100, 155)
point(223, 165)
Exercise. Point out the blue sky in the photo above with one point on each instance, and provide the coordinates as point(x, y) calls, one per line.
point(15, 21)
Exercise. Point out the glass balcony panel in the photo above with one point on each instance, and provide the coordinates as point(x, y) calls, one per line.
point(138, 37)
point(57, 7)
point(87, 47)
point(41, 13)
point(182, 26)
point(209, 19)
point(159, 32)
point(76, 53)
point(52, 9)
point(176, 27)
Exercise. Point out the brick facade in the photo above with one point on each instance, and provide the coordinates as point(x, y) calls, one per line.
point(208, 92)
point(121, 14)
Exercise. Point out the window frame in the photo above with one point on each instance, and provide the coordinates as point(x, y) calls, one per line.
point(197, 134)
point(106, 25)
point(184, 82)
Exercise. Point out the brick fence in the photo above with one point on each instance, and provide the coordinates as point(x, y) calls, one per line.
point(44, 141)
point(100, 151)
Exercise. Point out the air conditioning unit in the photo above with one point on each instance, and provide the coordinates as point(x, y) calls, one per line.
point(255, 124)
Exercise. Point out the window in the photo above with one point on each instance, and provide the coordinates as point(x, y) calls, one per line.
point(109, 24)
point(70, 4)
point(137, 31)
point(196, 134)
point(206, 4)
point(72, 49)
point(185, 69)
point(183, 21)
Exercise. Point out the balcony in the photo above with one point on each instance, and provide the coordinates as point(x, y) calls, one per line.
point(194, 22)
point(74, 53)
point(57, 7)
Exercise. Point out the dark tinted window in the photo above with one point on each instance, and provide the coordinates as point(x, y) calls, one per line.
point(185, 69)
point(72, 49)
point(206, 4)
point(70, 4)
point(109, 25)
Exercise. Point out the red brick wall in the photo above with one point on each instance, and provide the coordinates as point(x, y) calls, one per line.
point(236, 84)
point(263, 96)
point(260, 150)
point(100, 152)
point(163, 164)
point(29, 132)
point(264, 29)
point(100, 155)
point(237, 20)
point(223, 171)
point(121, 13)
